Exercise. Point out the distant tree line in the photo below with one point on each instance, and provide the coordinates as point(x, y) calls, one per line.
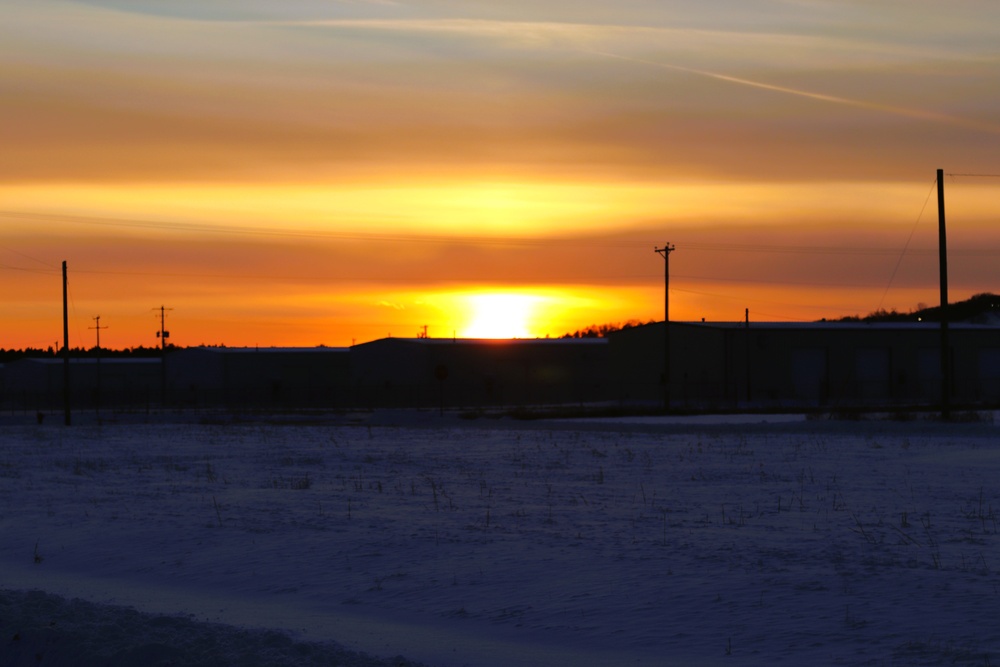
point(602, 330)
point(976, 307)
point(78, 352)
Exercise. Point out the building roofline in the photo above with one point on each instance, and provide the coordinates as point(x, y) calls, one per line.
point(929, 326)
point(488, 341)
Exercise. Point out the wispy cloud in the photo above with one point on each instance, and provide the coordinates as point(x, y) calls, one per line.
point(910, 112)
point(756, 45)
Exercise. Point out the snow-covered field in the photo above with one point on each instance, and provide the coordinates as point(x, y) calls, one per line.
point(494, 543)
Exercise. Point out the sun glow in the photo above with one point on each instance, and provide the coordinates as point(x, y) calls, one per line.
point(501, 315)
point(464, 207)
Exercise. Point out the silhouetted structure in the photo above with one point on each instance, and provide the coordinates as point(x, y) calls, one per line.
point(471, 373)
point(804, 365)
point(713, 366)
point(32, 384)
point(236, 377)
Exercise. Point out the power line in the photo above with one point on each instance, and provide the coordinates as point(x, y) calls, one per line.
point(796, 250)
point(53, 267)
point(906, 245)
point(77, 335)
point(27, 270)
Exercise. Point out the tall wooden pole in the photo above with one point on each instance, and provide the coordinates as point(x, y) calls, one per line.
point(97, 397)
point(66, 392)
point(943, 265)
point(746, 313)
point(163, 335)
point(665, 253)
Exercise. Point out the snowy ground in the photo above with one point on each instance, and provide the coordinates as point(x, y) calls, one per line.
point(494, 543)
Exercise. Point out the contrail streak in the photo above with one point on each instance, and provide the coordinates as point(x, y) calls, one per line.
point(835, 99)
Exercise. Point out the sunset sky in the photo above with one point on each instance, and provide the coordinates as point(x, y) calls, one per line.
point(312, 172)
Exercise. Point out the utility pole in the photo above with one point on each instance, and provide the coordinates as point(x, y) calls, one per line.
point(65, 304)
point(163, 335)
point(746, 326)
point(943, 266)
point(98, 328)
point(665, 253)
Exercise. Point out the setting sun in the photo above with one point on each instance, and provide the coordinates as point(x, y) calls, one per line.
point(501, 316)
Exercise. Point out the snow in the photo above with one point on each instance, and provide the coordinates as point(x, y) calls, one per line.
point(779, 541)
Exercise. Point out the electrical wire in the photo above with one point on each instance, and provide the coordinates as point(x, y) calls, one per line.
point(27, 256)
point(906, 245)
point(27, 270)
